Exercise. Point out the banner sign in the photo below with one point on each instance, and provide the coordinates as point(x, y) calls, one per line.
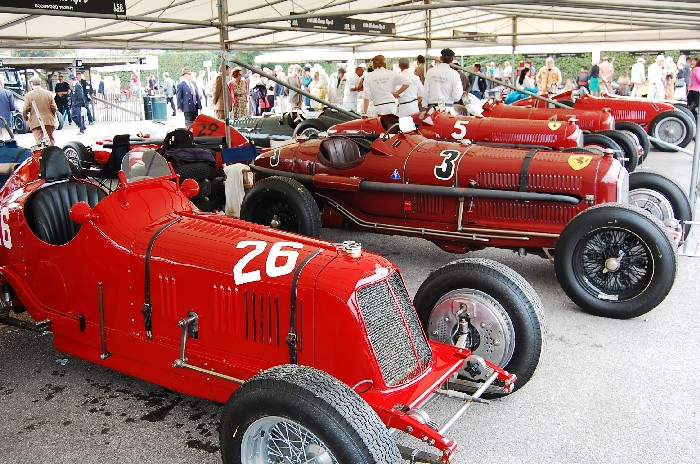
point(77, 6)
point(556, 55)
point(344, 24)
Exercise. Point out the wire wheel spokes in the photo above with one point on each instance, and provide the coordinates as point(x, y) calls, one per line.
point(277, 440)
point(615, 262)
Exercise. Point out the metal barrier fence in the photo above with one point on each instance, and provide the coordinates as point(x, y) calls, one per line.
point(117, 107)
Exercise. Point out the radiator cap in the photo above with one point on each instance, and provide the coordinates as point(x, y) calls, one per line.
point(352, 248)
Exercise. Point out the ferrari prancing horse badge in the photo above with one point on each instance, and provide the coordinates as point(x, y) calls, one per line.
point(578, 162)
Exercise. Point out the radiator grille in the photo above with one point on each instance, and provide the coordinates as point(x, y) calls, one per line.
point(394, 331)
point(535, 182)
point(626, 115)
point(428, 204)
point(514, 137)
point(521, 211)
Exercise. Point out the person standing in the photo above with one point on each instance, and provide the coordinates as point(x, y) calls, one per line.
point(379, 87)
point(169, 90)
point(77, 103)
point(294, 98)
point(477, 84)
point(239, 89)
point(548, 77)
point(607, 75)
point(443, 86)
point(45, 109)
point(352, 89)
point(410, 99)
point(62, 89)
point(638, 77)
point(336, 87)
point(7, 106)
point(188, 101)
point(507, 72)
point(218, 96)
point(682, 78)
point(669, 77)
point(624, 83)
point(582, 78)
point(88, 91)
point(306, 81)
point(693, 97)
point(655, 74)
point(594, 79)
point(420, 68)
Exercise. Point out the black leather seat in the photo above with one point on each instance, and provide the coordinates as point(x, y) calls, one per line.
point(48, 209)
point(340, 150)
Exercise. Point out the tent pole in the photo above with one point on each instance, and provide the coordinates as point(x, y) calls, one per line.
point(223, 39)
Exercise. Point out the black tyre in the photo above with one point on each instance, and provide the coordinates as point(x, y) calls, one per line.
point(282, 203)
point(672, 127)
point(78, 155)
point(203, 203)
point(629, 147)
point(310, 128)
point(569, 103)
point(615, 260)
point(638, 132)
point(598, 143)
point(19, 125)
point(684, 109)
point(196, 171)
point(296, 414)
point(661, 197)
point(504, 315)
point(204, 189)
point(217, 186)
point(578, 150)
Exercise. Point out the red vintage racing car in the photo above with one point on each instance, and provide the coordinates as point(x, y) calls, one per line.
point(670, 123)
point(612, 259)
point(142, 282)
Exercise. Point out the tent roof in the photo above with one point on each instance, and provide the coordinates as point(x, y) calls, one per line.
point(265, 25)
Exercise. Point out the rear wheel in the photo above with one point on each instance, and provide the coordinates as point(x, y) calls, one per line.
point(672, 127)
point(19, 124)
point(77, 154)
point(638, 132)
point(629, 147)
point(615, 260)
point(599, 143)
point(282, 203)
point(502, 309)
point(661, 197)
point(310, 128)
point(684, 109)
point(297, 415)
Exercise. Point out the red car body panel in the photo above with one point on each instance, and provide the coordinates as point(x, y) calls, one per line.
point(638, 110)
point(588, 119)
point(443, 125)
point(413, 159)
point(224, 270)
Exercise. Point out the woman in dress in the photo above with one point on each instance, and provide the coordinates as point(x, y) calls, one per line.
point(239, 89)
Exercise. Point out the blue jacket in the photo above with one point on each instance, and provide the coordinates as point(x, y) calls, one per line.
point(7, 105)
point(186, 101)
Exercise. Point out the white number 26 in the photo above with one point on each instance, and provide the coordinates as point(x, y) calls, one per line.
point(271, 268)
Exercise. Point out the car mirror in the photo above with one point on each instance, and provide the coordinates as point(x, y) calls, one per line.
point(189, 187)
point(81, 213)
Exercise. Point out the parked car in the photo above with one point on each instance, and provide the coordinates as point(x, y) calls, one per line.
point(670, 123)
point(315, 348)
point(612, 258)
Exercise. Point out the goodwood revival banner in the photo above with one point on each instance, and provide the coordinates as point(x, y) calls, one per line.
point(77, 6)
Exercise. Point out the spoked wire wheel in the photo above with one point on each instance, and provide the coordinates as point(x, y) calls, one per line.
point(276, 439)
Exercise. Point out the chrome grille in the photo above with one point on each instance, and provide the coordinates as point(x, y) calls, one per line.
point(522, 211)
point(393, 329)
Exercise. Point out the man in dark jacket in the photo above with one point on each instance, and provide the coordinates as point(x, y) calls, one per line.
point(477, 85)
point(77, 103)
point(188, 100)
point(62, 90)
point(88, 91)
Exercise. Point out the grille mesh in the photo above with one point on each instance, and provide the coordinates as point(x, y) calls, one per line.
point(384, 320)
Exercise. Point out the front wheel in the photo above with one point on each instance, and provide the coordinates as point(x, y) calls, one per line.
point(282, 203)
point(502, 309)
point(672, 127)
point(599, 143)
point(297, 415)
point(615, 260)
point(629, 147)
point(661, 197)
point(638, 133)
point(310, 128)
point(77, 154)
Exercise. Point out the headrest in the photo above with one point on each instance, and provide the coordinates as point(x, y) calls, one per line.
point(53, 164)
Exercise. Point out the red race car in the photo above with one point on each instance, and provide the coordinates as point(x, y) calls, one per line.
point(665, 121)
point(611, 258)
point(316, 348)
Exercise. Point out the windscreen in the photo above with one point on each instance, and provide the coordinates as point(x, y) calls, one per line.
point(143, 165)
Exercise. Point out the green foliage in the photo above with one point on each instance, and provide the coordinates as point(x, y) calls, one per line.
point(40, 53)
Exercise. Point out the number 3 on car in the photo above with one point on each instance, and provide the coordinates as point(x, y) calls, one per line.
point(446, 170)
point(271, 268)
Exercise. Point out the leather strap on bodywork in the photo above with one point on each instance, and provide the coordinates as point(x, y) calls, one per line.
point(147, 308)
point(292, 338)
point(524, 169)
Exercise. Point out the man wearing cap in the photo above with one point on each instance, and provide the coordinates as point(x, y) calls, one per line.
point(410, 99)
point(188, 101)
point(638, 77)
point(607, 74)
point(443, 86)
point(379, 87)
point(77, 103)
point(657, 90)
point(45, 108)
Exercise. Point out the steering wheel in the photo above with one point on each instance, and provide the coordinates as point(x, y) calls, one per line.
point(393, 129)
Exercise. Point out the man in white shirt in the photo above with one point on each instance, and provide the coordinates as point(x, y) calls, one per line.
point(336, 87)
point(657, 91)
point(379, 86)
point(352, 88)
point(411, 97)
point(442, 83)
point(638, 77)
point(508, 73)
